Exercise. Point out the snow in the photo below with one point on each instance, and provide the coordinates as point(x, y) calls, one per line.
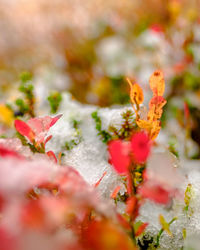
point(90, 159)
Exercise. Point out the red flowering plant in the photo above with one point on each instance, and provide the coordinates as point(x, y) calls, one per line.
point(129, 155)
point(35, 132)
point(128, 159)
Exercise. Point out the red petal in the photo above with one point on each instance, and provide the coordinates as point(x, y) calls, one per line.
point(24, 129)
point(119, 156)
point(55, 119)
point(155, 193)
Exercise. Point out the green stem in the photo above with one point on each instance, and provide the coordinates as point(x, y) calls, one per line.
point(160, 233)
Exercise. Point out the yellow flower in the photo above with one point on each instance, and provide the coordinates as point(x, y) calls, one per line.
point(6, 115)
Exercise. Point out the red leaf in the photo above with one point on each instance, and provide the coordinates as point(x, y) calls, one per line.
point(99, 181)
point(129, 184)
point(52, 156)
point(131, 205)
point(115, 192)
point(141, 229)
point(47, 139)
point(123, 221)
point(119, 156)
point(140, 145)
point(155, 193)
point(186, 111)
point(55, 119)
point(24, 129)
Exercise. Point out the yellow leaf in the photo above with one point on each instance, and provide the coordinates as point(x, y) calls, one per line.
point(136, 93)
point(165, 225)
point(189, 194)
point(151, 125)
point(151, 114)
point(184, 233)
point(155, 130)
point(6, 115)
point(156, 113)
point(157, 83)
point(144, 124)
point(159, 101)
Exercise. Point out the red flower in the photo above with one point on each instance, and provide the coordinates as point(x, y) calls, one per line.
point(140, 145)
point(36, 129)
point(119, 156)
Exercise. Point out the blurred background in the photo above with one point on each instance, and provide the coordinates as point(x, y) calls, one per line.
point(88, 46)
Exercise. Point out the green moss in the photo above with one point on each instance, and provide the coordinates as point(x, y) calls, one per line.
point(54, 99)
point(105, 136)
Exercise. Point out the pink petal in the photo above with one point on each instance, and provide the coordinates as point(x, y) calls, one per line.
point(36, 124)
